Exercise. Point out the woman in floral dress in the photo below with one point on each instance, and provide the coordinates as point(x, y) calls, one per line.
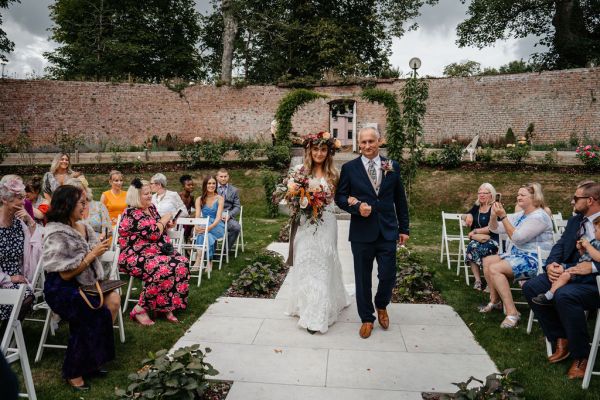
point(147, 253)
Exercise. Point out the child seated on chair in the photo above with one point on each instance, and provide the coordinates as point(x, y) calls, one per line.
point(589, 251)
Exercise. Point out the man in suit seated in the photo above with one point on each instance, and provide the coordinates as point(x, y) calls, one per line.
point(231, 204)
point(564, 321)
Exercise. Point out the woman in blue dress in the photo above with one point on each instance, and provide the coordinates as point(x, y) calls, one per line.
point(210, 205)
point(483, 242)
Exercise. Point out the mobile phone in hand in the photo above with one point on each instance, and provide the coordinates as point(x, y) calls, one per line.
point(177, 215)
point(498, 198)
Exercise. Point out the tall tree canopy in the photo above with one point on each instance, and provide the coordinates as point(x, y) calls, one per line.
point(570, 28)
point(6, 46)
point(149, 40)
point(278, 39)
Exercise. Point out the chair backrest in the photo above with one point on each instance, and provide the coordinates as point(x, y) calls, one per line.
point(182, 222)
point(13, 297)
point(504, 243)
point(555, 218)
point(111, 258)
point(115, 234)
point(37, 281)
point(473, 145)
point(542, 255)
point(560, 225)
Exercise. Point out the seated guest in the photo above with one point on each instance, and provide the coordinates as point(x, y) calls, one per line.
point(483, 242)
point(187, 196)
point(588, 251)
point(71, 259)
point(147, 254)
point(60, 171)
point(165, 200)
point(33, 192)
point(95, 213)
point(564, 322)
point(210, 205)
point(232, 205)
point(20, 243)
point(114, 199)
point(528, 229)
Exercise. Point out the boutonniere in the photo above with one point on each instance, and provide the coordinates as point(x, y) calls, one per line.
point(386, 166)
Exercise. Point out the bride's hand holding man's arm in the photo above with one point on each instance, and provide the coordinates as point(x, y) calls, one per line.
point(363, 208)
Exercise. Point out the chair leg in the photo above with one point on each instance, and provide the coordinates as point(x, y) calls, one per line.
point(530, 322)
point(44, 336)
point(128, 294)
point(592, 357)
point(25, 362)
point(121, 325)
point(237, 245)
point(242, 236)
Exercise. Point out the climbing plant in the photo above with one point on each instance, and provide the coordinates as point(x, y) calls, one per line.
point(394, 131)
point(414, 96)
point(287, 107)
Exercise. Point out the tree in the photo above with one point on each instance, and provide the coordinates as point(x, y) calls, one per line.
point(465, 68)
point(287, 39)
point(125, 39)
point(6, 46)
point(569, 28)
point(230, 27)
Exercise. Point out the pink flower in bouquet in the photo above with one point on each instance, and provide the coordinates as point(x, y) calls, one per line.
point(304, 202)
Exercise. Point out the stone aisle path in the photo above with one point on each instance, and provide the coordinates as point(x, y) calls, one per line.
point(268, 356)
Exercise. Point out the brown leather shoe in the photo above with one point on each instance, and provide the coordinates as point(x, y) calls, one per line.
point(577, 369)
point(561, 352)
point(382, 317)
point(365, 330)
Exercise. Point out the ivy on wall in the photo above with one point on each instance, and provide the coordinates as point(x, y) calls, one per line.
point(394, 131)
point(287, 107)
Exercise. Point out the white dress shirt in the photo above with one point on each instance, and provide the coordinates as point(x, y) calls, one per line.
point(169, 202)
point(377, 161)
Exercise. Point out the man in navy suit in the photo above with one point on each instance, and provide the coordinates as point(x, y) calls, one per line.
point(563, 321)
point(379, 219)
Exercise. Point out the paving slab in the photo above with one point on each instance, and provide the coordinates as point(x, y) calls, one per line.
point(224, 329)
point(247, 307)
point(266, 391)
point(403, 371)
point(442, 339)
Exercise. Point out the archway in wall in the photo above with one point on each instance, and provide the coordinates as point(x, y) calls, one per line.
point(342, 121)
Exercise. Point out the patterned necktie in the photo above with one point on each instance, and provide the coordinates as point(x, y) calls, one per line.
point(581, 230)
point(221, 190)
point(372, 172)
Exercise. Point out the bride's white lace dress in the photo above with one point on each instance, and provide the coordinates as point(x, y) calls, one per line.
point(317, 289)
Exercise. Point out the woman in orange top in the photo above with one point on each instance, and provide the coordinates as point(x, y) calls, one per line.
point(114, 199)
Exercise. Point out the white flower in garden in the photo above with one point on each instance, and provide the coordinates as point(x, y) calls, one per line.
point(197, 139)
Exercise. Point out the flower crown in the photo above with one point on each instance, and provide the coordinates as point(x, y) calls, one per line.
point(321, 138)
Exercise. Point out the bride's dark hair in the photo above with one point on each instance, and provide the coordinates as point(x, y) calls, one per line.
point(331, 172)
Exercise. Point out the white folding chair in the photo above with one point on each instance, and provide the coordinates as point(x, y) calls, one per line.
point(447, 239)
point(471, 148)
point(462, 252)
point(589, 371)
point(240, 238)
point(111, 258)
point(560, 225)
point(115, 235)
point(195, 250)
point(222, 244)
point(14, 332)
point(556, 218)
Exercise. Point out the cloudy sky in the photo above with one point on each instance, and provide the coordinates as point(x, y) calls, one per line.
point(27, 25)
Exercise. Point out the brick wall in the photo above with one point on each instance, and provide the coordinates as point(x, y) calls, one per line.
point(558, 103)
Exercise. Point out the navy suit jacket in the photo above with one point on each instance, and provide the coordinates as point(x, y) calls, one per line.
point(389, 212)
point(565, 250)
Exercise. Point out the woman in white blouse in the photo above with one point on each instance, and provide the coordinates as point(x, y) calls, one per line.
point(527, 230)
point(166, 201)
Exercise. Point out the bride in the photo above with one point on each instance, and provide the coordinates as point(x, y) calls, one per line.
point(317, 289)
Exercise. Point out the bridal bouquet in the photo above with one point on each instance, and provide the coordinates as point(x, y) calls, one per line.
point(304, 195)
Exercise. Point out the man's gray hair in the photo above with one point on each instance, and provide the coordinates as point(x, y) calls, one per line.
point(160, 179)
point(369, 128)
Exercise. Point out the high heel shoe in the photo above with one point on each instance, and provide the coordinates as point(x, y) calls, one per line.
point(133, 315)
point(81, 388)
point(171, 318)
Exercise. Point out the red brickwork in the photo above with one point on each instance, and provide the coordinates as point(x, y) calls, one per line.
point(558, 103)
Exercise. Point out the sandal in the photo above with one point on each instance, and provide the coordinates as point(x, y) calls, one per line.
point(489, 307)
point(478, 286)
point(510, 321)
point(134, 317)
point(171, 318)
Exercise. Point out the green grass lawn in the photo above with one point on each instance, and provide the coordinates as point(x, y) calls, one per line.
point(434, 191)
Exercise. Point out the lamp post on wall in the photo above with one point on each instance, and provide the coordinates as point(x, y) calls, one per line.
point(414, 63)
point(3, 64)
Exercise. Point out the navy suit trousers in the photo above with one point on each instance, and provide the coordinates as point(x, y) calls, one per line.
point(384, 251)
point(565, 318)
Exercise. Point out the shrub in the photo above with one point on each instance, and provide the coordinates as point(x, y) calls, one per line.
point(451, 155)
point(179, 375)
point(414, 280)
point(257, 278)
point(589, 155)
point(487, 155)
point(496, 386)
point(270, 181)
point(432, 159)
point(510, 136)
point(279, 157)
point(270, 258)
point(247, 151)
point(517, 153)
point(550, 159)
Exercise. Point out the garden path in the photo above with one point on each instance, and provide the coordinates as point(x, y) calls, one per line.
point(267, 356)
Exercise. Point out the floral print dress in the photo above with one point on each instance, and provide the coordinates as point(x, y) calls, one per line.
point(144, 255)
